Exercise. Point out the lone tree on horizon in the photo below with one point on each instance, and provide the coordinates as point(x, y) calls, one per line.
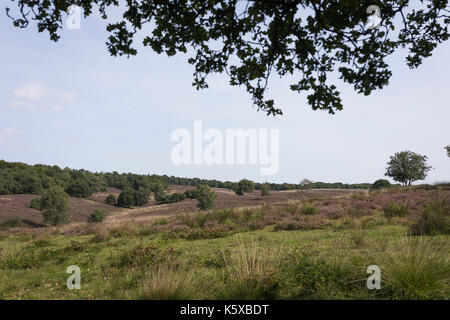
point(407, 166)
point(310, 41)
point(447, 148)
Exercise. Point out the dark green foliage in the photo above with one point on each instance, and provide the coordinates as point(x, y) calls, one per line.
point(307, 40)
point(265, 190)
point(381, 184)
point(110, 199)
point(54, 204)
point(141, 197)
point(407, 167)
point(243, 186)
point(79, 188)
point(21, 178)
point(35, 203)
point(11, 223)
point(126, 198)
point(206, 197)
point(96, 216)
point(191, 194)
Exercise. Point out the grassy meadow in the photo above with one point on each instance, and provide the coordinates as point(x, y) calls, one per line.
point(315, 249)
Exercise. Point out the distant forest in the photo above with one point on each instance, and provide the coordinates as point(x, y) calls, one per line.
point(20, 178)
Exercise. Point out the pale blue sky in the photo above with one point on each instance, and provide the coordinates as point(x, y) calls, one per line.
point(69, 103)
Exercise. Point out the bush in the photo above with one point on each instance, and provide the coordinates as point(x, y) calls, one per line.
point(35, 203)
point(96, 216)
point(11, 223)
point(79, 188)
point(126, 198)
point(265, 190)
point(381, 184)
point(434, 220)
point(393, 210)
point(206, 197)
point(309, 209)
point(110, 199)
point(141, 197)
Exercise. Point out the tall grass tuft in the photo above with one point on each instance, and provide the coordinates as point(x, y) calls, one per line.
point(415, 270)
point(251, 273)
point(165, 283)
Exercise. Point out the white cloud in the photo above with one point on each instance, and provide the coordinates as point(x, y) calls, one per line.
point(38, 96)
point(8, 133)
point(21, 104)
point(30, 91)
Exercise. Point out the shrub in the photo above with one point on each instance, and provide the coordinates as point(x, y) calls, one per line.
point(96, 216)
point(11, 223)
point(265, 190)
point(301, 223)
point(160, 221)
point(394, 210)
point(381, 184)
point(110, 199)
point(309, 209)
point(126, 198)
point(35, 203)
point(141, 197)
point(434, 219)
point(141, 256)
point(79, 188)
point(206, 197)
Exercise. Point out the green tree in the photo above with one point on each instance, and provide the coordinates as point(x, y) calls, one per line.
point(110, 199)
point(308, 40)
point(265, 189)
point(126, 198)
point(243, 186)
point(407, 167)
point(206, 197)
point(447, 148)
point(79, 188)
point(141, 197)
point(54, 206)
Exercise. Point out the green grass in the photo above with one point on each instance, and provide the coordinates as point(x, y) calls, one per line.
point(328, 263)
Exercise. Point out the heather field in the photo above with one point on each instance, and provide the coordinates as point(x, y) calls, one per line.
point(303, 244)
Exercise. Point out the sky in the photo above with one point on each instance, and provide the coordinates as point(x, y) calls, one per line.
point(73, 105)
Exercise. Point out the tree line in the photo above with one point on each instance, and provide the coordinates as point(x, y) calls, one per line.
point(20, 178)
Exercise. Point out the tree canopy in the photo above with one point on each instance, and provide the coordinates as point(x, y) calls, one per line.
point(407, 167)
point(249, 40)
